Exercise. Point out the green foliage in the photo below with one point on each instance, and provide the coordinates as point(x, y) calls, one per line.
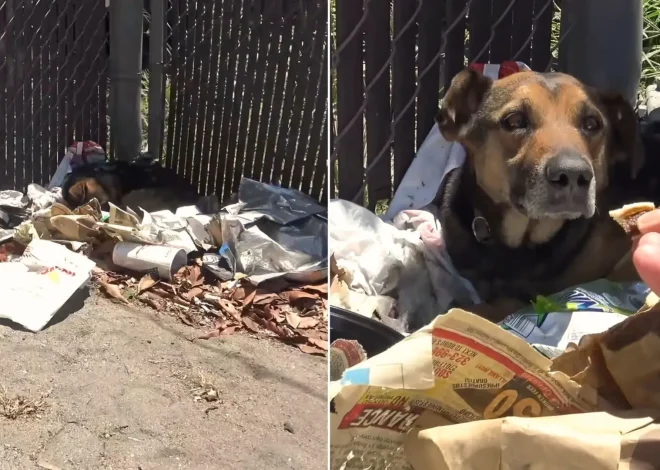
point(651, 44)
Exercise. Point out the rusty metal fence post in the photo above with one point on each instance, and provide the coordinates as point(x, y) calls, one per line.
point(125, 77)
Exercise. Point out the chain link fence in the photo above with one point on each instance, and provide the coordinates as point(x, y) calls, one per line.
point(391, 62)
point(230, 88)
point(244, 93)
point(53, 84)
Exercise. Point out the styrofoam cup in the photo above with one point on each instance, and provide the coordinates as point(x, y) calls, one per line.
point(142, 258)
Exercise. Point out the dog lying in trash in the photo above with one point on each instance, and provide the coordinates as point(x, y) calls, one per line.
point(547, 158)
point(143, 183)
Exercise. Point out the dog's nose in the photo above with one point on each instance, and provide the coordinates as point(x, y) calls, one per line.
point(569, 172)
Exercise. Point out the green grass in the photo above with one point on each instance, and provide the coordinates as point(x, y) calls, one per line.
point(144, 109)
point(651, 44)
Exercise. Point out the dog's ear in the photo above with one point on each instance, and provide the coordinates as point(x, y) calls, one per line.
point(77, 194)
point(625, 136)
point(462, 100)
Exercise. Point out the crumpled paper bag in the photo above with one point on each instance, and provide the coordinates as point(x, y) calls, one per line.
point(622, 364)
point(460, 368)
point(594, 441)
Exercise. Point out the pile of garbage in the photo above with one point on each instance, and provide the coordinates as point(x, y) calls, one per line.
point(289, 311)
point(463, 393)
point(571, 382)
point(259, 264)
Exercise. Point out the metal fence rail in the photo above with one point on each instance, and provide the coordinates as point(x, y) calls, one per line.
point(391, 61)
point(53, 84)
point(245, 93)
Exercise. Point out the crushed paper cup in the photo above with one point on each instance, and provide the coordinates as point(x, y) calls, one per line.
point(343, 355)
point(163, 260)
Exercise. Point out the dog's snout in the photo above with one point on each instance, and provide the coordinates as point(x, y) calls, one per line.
point(569, 172)
point(569, 185)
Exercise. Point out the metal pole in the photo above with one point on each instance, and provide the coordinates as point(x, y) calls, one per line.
point(156, 78)
point(602, 44)
point(125, 77)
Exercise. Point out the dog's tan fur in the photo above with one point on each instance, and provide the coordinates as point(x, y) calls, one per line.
point(89, 188)
point(558, 107)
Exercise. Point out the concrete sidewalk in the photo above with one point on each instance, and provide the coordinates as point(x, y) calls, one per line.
point(119, 383)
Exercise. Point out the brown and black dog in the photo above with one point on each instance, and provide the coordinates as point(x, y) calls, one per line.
point(85, 184)
point(528, 212)
point(144, 184)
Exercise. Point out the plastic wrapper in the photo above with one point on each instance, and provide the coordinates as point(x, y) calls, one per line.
point(275, 203)
point(222, 264)
point(552, 323)
point(275, 232)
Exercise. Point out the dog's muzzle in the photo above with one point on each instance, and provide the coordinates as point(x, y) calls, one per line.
point(570, 186)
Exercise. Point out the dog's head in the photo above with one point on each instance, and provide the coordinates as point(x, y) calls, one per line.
point(84, 190)
point(541, 144)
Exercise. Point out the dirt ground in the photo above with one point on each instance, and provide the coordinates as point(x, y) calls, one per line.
point(120, 388)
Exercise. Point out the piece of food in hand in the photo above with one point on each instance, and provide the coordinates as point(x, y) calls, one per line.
point(627, 216)
point(651, 301)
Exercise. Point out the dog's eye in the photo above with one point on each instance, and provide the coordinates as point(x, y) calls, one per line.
point(591, 124)
point(515, 121)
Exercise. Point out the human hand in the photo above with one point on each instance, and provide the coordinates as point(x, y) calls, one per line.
point(646, 250)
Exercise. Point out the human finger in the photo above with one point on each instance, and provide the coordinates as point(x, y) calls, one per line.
point(649, 222)
point(647, 262)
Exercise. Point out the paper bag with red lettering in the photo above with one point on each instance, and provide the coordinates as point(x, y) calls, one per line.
point(459, 369)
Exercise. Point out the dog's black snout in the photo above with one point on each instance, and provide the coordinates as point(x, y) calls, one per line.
point(569, 171)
